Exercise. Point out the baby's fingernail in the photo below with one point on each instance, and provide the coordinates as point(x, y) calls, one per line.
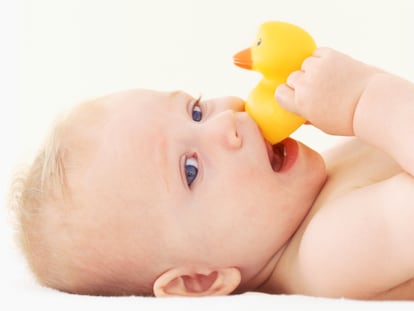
point(281, 93)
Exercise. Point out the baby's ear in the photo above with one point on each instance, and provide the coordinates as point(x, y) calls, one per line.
point(197, 282)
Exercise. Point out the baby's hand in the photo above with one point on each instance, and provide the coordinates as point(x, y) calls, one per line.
point(326, 90)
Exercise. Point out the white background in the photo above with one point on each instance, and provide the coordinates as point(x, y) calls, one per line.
point(55, 53)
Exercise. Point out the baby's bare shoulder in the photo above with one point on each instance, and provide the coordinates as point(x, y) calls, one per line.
point(360, 244)
point(357, 240)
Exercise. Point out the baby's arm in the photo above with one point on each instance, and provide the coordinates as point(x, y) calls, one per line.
point(343, 96)
point(384, 117)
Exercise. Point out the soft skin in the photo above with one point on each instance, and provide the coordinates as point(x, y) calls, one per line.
point(225, 231)
point(163, 194)
point(361, 223)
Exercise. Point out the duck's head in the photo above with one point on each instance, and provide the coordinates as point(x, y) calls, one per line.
point(278, 49)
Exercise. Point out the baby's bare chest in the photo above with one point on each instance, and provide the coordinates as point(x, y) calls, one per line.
point(354, 165)
point(341, 239)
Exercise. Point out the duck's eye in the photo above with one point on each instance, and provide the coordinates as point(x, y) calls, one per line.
point(259, 42)
point(191, 169)
point(196, 113)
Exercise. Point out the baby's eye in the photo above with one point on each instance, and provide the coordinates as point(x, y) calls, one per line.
point(191, 169)
point(196, 112)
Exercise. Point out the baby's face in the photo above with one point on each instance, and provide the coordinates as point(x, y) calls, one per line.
point(187, 182)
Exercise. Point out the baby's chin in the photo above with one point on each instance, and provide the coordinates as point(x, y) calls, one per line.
point(315, 173)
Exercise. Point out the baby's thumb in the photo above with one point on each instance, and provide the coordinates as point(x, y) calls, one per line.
point(286, 98)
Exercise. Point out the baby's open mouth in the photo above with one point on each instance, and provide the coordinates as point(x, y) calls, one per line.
point(277, 154)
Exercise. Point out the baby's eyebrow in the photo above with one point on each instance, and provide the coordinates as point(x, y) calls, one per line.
point(175, 98)
point(175, 95)
point(179, 95)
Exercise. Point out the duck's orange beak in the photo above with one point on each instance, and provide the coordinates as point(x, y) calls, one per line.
point(243, 59)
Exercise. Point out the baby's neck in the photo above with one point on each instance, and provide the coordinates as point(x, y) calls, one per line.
point(261, 280)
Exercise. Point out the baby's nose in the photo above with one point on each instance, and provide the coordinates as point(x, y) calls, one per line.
point(223, 130)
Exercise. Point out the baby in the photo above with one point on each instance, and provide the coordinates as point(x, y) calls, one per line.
point(149, 193)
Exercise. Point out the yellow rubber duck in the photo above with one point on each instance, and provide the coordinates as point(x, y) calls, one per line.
point(279, 49)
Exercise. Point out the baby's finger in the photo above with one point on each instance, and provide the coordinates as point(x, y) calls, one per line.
point(285, 96)
point(294, 78)
point(321, 51)
point(308, 63)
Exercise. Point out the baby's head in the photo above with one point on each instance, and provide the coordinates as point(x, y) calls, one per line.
point(143, 192)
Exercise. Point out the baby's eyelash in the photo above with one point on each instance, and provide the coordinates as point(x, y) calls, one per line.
point(198, 100)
